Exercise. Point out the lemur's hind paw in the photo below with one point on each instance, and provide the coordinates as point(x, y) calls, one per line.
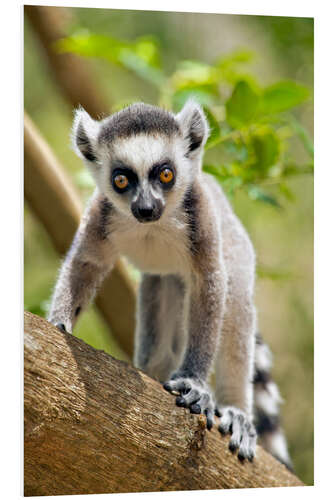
point(194, 395)
point(243, 434)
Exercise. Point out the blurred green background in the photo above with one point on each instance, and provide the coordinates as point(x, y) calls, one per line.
point(282, 49)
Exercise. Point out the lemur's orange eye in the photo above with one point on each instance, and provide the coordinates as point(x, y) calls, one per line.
point(166, 175)
point(121, 181)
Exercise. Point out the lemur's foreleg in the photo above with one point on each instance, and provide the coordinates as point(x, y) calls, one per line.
point(234, 370)
point(204, 307)
point(86, 264)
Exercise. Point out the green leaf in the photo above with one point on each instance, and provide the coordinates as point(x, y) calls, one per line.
point(266, 148)
point(242, 106)
point(292, 169)
point(214, 127)
point(302, 134)
point(198, 93)
point(257, 194)
point(147, 48)
point(231, 67)
point(88, 44)
point(229, 181)
point(191, 74)
point(230, 184)
point(219, 171)
point(132, 61)
point(239, 56)
point(282, 96)
point(140, 56)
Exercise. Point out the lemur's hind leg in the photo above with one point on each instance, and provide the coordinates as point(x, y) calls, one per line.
point(160, 335)
point(234, 372)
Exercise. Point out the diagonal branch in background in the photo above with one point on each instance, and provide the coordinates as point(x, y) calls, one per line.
point(53, 199)
point(72, 74)
point(97, 425)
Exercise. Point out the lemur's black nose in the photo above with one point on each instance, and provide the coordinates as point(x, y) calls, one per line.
point(145, 212)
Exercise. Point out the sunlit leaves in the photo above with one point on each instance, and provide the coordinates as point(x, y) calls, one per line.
point(221, 172)
point(258, 194)
point(130, 60)
point(194, 79)
point(248, 104)
point(191, 74)
point(265, 145)
point(242, 106)
point(235, 58)
point(200, 94)
point(231, 66)
point(214, 128)
point(140, 56)
point(302, 133)
point(282, 96)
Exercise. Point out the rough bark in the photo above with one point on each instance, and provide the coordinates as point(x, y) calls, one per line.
point(97, 425)
point(54, 200)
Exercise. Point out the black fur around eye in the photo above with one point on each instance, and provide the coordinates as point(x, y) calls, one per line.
point(164, 174)
point(123, 179)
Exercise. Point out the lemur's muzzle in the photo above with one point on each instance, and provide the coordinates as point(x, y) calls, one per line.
point(147, 209)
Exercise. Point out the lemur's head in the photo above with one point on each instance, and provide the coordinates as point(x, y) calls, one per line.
point(143, 158)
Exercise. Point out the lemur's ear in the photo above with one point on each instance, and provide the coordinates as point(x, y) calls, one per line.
point(84, 135)
point(194, 126)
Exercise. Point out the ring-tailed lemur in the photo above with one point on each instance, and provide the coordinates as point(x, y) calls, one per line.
point(154, 205)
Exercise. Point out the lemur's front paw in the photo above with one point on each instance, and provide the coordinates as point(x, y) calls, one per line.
point(243, 434)
point(61, 327)
point(193, 394)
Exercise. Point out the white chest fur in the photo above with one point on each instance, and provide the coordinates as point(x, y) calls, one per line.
point(158, 247)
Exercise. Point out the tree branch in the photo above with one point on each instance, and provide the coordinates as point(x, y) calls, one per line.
point(71, 73)
point(97, 425)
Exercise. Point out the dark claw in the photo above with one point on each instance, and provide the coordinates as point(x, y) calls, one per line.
point(241, 457)
point(232, 447)
point(195, 408)
point(180, 401)
point(222, 430)
point(209, 423)
point(167, 386)
point(209, 419)
point(61, 327)
point(218, 413)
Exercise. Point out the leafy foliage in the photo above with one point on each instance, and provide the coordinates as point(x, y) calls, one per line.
point(251, 126)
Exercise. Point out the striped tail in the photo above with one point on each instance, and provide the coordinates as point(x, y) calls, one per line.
point(267, 400)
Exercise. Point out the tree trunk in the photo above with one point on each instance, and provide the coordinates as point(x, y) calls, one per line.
point(97, 425)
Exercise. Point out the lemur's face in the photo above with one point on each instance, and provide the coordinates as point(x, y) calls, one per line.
point(144, 193)
point(143, 158)
point(146, 175)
